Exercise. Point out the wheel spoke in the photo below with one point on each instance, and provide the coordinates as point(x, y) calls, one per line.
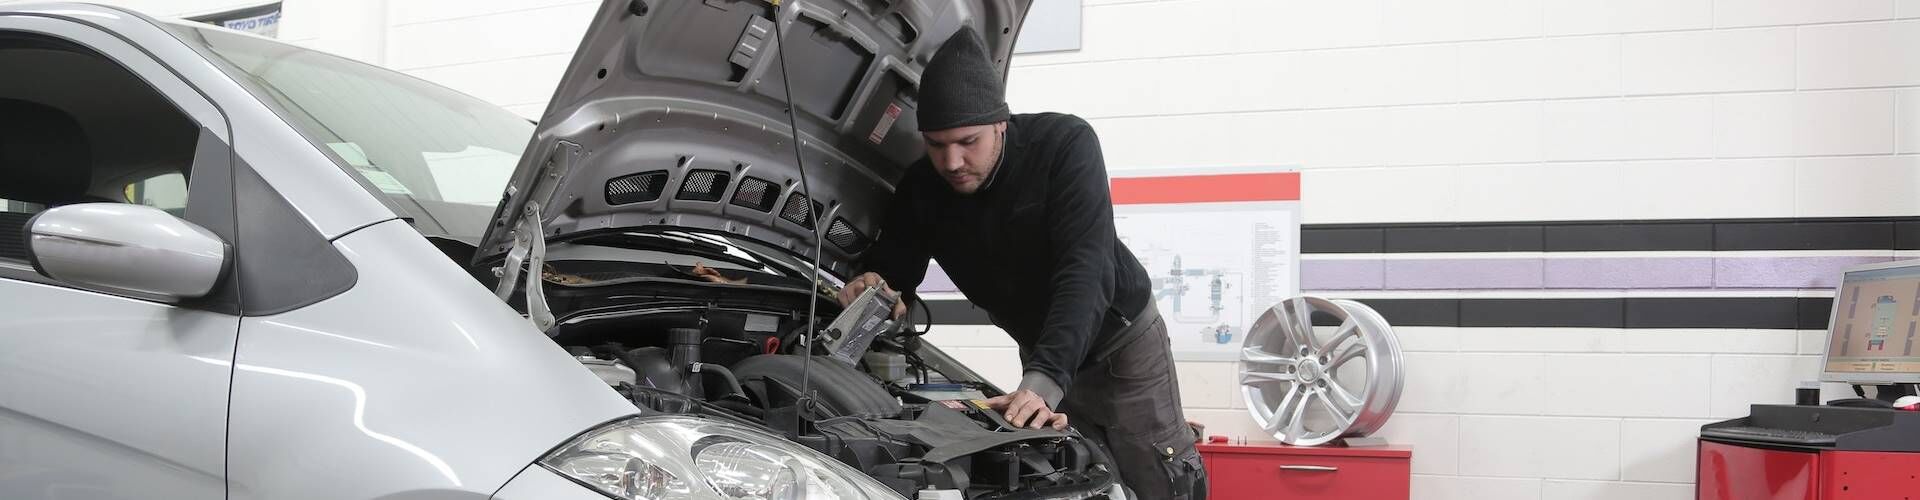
point(1344, 398)
point(1348, 330)
point(1253, 377)
point(1356, 351)
point(1283, 321)
point(1274, 424)
point(1297, 423)
point(1300, 324)
point(1255, 355)
point(1346, 416)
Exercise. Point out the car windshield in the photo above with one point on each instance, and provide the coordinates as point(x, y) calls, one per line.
point(440, 156)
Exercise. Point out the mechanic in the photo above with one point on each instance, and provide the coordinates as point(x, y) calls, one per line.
point(1015, 209)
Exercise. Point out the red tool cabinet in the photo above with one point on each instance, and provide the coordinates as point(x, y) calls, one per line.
point(1730, 471)
point(1306, 473)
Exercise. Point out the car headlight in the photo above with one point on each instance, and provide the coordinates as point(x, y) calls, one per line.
point(656, 457)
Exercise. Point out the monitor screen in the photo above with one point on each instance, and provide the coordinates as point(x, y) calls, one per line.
point(1871, 336)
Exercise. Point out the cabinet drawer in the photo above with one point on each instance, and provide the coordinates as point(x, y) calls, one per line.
point(1753, 473)
point(1233, 475)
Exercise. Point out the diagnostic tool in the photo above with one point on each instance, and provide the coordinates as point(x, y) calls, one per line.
point(864, 319)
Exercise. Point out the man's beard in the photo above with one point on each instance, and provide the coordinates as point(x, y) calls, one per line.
point(999, 158)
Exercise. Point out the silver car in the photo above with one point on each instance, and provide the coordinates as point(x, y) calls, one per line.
point(234, 268)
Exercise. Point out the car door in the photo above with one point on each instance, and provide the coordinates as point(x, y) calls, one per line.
point(104, 396)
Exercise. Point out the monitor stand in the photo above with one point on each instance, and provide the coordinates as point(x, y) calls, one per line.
point(1883, 396)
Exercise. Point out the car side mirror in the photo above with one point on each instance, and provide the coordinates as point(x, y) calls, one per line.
point(123, 249)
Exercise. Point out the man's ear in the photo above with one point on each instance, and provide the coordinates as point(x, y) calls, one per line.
point(1000, 127)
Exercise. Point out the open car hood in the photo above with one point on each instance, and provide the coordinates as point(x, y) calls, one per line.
point(673, 113)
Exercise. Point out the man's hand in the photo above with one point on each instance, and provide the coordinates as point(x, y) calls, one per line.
point(1024, 408)
point(862, 282)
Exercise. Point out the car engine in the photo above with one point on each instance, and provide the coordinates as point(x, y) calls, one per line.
point(893, 411)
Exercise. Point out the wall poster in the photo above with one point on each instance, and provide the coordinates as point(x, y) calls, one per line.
point(1222, 246)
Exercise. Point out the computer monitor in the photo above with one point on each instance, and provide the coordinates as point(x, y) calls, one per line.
point(1871, 335)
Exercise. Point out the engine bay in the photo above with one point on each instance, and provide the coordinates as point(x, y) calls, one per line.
point(900, 410)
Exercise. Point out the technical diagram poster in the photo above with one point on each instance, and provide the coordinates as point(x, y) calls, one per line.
point(1220, 246)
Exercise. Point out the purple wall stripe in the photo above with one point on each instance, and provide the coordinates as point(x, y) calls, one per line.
point(1456, 274)
point(1598, 273)
point(1784, 272)
point(1632, 272)
point(1343, 275)
point(937, 280)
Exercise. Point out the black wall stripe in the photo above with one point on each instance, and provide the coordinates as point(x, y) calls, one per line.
point(1780, 313)
point(1568, 313)
point(1418, 312)
point(1804, 236)
point(956, 312)
point(1867, 233)
point(1629, 238)
point(1814, 313)
point(1906, 235)
point(1463, 239)
point(1324, 239)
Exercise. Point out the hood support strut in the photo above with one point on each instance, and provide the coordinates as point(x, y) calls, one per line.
point(529, 248)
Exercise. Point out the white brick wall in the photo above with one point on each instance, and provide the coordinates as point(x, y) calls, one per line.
point(1574, 17)
point(1707, 61)
point(1540, 68)
point(1419, 111)
point(1859, 55)
point(1620, 88)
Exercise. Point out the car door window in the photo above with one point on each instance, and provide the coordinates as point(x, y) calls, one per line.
point(62, 143)
point(166, 191)
point(13, 219)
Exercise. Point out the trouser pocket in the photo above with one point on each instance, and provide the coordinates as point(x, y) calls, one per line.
point(1186, 475)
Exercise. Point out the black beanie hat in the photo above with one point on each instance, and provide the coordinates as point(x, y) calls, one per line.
point(960, 87)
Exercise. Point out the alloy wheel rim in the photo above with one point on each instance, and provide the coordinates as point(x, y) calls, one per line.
point(1309, 386)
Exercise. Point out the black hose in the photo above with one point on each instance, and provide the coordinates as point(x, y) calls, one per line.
point(924, 308)
point(741, 407)
point(672, 402)
point(747, 343)
point(733, 383)
point(791, 338)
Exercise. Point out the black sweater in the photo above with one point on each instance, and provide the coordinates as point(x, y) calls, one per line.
point(1035, 247)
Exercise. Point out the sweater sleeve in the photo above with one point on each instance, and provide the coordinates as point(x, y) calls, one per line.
point(899, 253)
point(1081, 236)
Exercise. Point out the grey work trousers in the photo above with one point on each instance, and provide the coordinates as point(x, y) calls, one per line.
point(1129, 402)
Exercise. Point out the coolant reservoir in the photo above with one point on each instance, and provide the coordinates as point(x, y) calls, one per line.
point(933, 494)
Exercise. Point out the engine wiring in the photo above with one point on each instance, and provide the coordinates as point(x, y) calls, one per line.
point(924, 309)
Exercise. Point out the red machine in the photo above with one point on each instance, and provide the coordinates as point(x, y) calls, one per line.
point(1746, 471)
point(1781, 452)
point(1306, 473)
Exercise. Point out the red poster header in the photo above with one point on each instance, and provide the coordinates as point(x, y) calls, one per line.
point(1277, 186)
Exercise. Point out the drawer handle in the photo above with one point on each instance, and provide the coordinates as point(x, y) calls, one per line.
point(1313, 468)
